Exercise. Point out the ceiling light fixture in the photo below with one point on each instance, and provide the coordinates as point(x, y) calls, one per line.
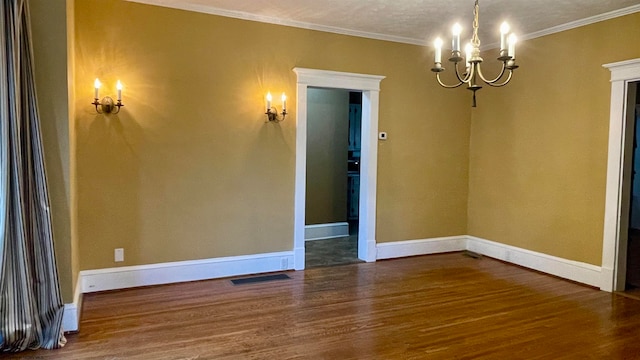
point(472, 54)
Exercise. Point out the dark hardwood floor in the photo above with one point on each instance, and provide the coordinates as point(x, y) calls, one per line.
point(445, 306)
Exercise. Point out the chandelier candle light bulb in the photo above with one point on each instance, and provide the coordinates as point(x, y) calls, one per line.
point(455, 42)
point(438, 46)
point(504, 32)
point(473, 74)
point(468, 50)
point(512, 46)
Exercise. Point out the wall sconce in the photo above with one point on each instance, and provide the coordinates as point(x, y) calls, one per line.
point(107, 105)
point(272, 113)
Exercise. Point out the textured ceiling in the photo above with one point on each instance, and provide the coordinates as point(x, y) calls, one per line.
point(411, 21)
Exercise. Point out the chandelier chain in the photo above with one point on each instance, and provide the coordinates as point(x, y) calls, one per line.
point(475, 40)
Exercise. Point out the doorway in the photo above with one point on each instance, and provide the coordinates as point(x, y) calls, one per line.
point(369, 86)
point(624, 78)
point(632, 278)
point(332, 177)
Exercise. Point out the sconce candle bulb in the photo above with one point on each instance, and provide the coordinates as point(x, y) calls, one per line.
point(272, 112)
point(269, 101)
point(96, 85)
point(107, 105)
point(119, 87)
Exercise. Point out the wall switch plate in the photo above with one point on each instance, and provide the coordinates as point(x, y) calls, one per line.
point(382, 135)
point(118, 255)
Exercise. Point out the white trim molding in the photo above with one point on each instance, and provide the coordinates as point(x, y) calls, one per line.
point(72, 311)
point(568, 269)
point(242, 15)
point(397, 249)
point(181, 271)
point(614, 246)
point(369, 85)
point(212, 10)
point(582, 22)
point(175, 272)
point(326, 231)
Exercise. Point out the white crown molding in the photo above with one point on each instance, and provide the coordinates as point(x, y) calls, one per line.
point(284, 22)
point(571, 25)
point(376, 36)
point(582, 22)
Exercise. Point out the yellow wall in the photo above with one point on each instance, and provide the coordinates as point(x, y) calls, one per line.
point(189, 169)
point(539, 146)
point(50, 44)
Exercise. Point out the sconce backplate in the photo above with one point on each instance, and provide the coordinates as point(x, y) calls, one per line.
point(107, 105)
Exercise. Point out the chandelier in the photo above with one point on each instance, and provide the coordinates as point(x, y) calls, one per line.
point(473, 71)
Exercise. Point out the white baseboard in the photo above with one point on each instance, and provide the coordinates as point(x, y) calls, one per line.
point(72, 311)
point(398, 249)
point(164, 273)
point(326, 231)
point(568, 269)
point(181, 271)
point(606, 280)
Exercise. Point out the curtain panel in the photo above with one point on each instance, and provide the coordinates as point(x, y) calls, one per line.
point(31, 306)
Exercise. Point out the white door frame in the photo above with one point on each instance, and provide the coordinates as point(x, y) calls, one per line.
point(614, 246)
point(369, 85)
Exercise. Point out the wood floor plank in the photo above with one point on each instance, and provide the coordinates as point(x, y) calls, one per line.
point(431, 307)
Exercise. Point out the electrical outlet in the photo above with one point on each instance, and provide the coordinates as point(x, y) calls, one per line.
point(284, 263)
point(118, 255)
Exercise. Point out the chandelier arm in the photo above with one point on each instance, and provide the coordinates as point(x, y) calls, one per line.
point(466, 78)
point(502, 83)
point(490, 82)
point(447, 86)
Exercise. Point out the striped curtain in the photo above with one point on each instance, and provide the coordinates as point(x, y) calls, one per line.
point(31, 307)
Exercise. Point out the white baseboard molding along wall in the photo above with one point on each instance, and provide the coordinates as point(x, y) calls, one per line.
point(398, 249)
point(72, 311)
point(181, 271)
point(568, 269)
point(165, 273)
point(326, 231)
